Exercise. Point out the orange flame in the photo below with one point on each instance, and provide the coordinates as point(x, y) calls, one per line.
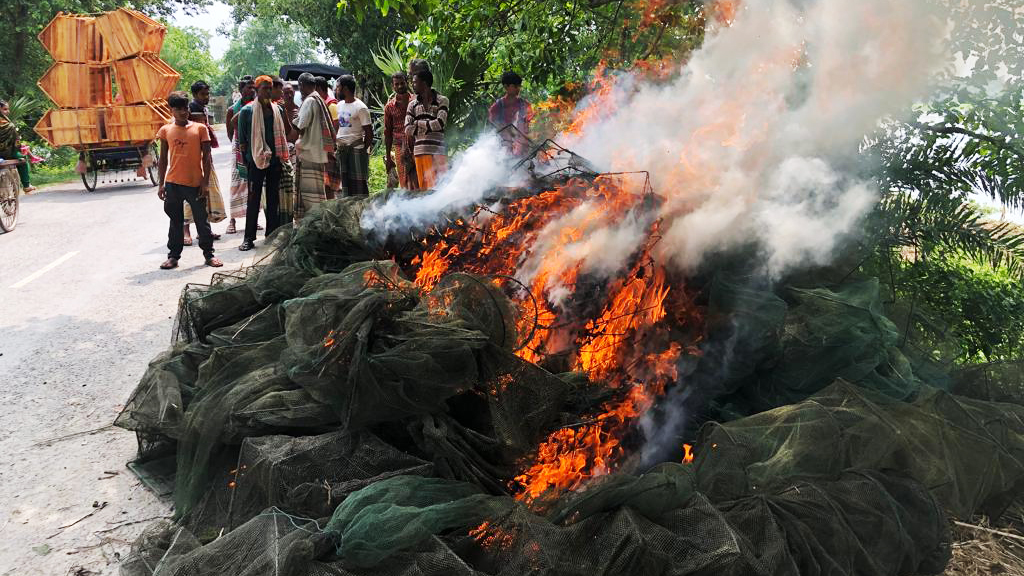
point(602, 346)
point(617, 333)
point(687, 454)
point(724, 11)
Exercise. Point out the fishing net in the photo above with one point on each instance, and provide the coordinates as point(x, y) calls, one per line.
point(346, 351)
point(322, 414)
point(862, 523)
point(767, 348)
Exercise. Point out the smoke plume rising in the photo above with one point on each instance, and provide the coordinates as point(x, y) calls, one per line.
point(743, 145)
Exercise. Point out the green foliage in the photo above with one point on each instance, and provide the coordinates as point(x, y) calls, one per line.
point(549, 42)
point(43, 175)
point(378, 180)
point(341, 34)
point(261, 46)
point(979, 309)
point(24, 113)
point(965, 143)
point(187, 50)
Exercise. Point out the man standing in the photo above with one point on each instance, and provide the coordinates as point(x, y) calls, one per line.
point(332, 102)
point(315, 143)
point(239, 192)
point(511, 110)
point(332, 180)
point(290, 107)
point(262, 141)
point(246, 91)
point(185, 168)
point(425, 121)
point(198, 112)
point(355, 139)
point(394, 132)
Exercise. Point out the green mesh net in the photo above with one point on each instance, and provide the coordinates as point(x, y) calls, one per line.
point(323, 415)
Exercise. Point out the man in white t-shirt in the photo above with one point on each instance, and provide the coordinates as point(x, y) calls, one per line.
point(354, 140)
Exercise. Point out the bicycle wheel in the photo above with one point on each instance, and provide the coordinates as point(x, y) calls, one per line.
point(10, 188)
point(89, 179)
point(155, 153)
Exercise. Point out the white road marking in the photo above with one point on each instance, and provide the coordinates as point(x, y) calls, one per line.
point(44, 269)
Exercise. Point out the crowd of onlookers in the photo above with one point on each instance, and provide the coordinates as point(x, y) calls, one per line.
point(293, 150)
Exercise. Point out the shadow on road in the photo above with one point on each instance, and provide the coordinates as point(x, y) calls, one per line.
point(192, 262)
point(65, 193)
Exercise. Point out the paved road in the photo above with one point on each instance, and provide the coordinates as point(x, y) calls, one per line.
point(83, 308)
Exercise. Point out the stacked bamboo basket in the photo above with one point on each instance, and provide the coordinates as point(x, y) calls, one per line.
point(91, 54)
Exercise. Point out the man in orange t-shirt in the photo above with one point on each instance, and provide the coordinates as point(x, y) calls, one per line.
point(185, 167)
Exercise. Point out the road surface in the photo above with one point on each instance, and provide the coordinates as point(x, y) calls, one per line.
point(83, 308)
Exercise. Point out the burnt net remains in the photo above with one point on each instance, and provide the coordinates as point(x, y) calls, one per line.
point(459, 401)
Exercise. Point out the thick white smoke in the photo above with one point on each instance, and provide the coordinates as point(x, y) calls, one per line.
point(743, 145)
point(474, 173)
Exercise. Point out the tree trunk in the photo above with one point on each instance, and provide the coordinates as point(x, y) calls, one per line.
point(20, 39)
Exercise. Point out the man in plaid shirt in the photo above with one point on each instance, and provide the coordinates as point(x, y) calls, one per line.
point(425, 122)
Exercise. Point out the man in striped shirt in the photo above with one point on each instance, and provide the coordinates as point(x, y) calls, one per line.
point(425, 121)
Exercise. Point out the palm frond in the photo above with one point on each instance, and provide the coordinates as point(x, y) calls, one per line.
point(930, 223)
point(25, 107)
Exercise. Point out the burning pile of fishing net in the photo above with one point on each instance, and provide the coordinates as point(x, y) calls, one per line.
point(336, 410)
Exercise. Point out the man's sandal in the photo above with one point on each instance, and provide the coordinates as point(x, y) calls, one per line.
point(214, 262)
point(187, 241)
point(169, 263)
point(231, 228)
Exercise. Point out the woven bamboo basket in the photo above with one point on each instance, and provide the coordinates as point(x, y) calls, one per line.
point(129, 33)
point(72, 38)
point(77, 85)
point(144, 78)
point(136, 123)
point(71, 127)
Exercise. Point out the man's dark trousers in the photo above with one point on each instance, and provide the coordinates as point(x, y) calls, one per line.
point(271, 177)
point(175, 195)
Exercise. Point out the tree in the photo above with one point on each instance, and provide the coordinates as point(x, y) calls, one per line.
point(261, 46)
point(350, 40)
point(24, 58)
point(955, 268)
point(187, 50)
point(965, 142)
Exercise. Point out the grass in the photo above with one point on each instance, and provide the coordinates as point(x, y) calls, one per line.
point(378, 181)
point(43, 175)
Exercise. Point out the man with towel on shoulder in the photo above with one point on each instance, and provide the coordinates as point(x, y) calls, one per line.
point(262, 139)
point(315, 145)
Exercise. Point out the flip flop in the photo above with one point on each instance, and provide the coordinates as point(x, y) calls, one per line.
point(169, 263)
point(187, 242)
point(214, 262)
point(231, 229)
